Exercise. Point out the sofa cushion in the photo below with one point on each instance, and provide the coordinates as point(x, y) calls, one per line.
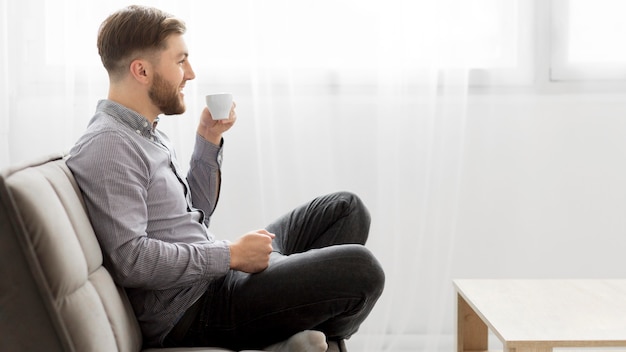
point(89, 312)
point(55, 295)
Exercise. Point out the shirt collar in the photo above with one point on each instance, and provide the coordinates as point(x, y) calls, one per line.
point(129, 118)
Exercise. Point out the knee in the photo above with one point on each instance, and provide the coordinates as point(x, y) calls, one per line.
point(355, 207)
point(354, 201)
point(375, 273)
point(365, 270)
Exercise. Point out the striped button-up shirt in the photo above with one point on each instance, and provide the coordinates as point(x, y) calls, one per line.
point(151, 221)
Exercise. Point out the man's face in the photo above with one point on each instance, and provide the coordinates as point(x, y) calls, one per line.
point(171, 73)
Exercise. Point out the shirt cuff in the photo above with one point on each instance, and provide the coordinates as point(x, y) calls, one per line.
point(208, 152)
point(218, 253)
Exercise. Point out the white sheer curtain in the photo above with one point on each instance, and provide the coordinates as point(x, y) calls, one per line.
point(367, 96)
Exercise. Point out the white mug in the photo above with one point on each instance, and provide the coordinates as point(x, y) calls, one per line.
point(219, 105)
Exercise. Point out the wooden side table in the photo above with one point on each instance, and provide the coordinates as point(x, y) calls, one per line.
point(539, 315)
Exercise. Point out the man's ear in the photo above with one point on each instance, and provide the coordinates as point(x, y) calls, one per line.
point(141, 70)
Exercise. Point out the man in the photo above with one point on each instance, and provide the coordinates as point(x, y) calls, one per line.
point(304, 280)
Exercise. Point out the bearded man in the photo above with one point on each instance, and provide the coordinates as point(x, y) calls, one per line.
point(303, 283)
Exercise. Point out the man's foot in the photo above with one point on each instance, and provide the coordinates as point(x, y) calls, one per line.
point(304, 341)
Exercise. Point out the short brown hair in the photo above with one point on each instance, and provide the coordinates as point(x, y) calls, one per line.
point(134, 31)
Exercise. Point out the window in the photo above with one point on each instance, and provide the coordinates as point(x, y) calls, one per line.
point(366, 34)
point(587, 40)
point(350, 39)
point(340, 40)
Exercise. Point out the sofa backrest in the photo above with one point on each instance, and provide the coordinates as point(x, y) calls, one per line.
point(55, 295)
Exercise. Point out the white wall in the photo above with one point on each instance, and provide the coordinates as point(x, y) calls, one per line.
point(543, 187)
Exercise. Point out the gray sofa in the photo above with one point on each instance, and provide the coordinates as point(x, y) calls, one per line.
point(55, 295)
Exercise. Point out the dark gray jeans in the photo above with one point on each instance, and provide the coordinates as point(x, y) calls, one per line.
point(320, 277)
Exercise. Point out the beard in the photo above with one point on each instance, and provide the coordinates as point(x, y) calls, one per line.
point(166, 97)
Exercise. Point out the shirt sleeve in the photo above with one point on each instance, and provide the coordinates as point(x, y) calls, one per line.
point(204, 176)
point(113, 174)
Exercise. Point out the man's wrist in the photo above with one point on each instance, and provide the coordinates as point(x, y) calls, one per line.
point(211, 138)
point(233, 256)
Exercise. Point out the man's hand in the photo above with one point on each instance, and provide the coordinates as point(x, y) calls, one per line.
point(212, 130)
point(251, 252)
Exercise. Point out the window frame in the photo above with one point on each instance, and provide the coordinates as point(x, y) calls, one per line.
point(561, 69)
